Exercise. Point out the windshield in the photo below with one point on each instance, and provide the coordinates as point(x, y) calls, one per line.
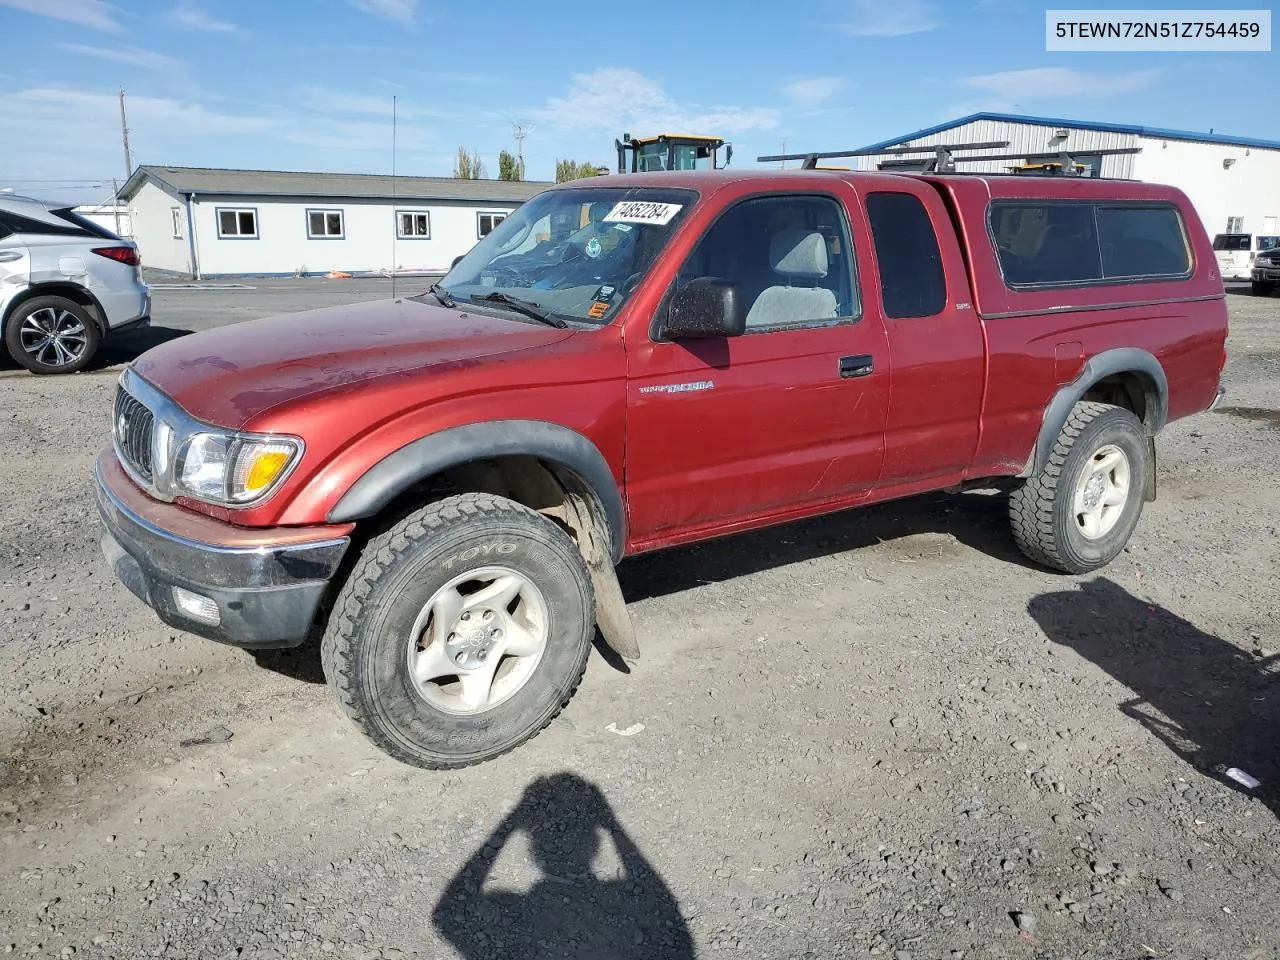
point(1266, 244)
point(573, 253)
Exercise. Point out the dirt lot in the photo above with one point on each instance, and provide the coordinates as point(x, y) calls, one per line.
point(877, 734)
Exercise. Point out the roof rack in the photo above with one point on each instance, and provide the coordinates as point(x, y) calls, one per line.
point(943, 161)
point(942, 153)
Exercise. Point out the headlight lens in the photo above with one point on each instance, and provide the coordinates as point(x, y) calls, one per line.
point(232, 468)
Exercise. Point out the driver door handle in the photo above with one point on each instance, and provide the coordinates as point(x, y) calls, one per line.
point(862, 365)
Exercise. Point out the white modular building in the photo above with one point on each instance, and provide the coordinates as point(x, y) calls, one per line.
point(1233, 182)
point(111, 216)
point(210, 223)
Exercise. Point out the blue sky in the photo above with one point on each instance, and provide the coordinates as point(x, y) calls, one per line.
point(308, 84)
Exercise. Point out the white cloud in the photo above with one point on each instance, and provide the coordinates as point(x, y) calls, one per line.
point(401, 11)
point(68, 133)
point(95, 14)
point(891, 18)
point(72, 133)
point(148, 115)
point(132, 55)
point(329, 102)
point(812, 91)
point(193, 18)
point(609, 101)
point(1014, 89)
point(334, 101)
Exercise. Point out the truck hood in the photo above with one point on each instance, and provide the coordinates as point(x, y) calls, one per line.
point(232, 374)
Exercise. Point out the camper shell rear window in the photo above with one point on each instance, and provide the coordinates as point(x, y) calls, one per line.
point(1054, 243)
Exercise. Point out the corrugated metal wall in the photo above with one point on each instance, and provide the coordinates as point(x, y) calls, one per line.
point(1027, 137)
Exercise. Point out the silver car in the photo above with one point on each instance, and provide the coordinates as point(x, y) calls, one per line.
point(65, 284)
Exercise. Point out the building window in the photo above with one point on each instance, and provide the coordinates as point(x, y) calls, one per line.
point(324, 224)
point(237, 224)
point(176, 214)
point(413, 225)
point(1235, 224)
point(486, 223)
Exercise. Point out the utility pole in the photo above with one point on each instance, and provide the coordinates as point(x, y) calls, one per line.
point(521, 133)
point(115, 203)
point(784, 150)
point(124, 136)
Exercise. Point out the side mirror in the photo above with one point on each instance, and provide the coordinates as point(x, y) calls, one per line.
point(705, 308)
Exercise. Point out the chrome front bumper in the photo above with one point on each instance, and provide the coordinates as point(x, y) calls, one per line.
point(248, 591)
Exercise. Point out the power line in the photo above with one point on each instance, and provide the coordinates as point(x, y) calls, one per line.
point(522, 130)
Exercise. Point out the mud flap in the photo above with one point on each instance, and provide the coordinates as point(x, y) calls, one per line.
point(612, 616)
point(1151, 469)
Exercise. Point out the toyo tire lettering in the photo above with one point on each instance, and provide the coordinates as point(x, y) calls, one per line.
point(478, 552)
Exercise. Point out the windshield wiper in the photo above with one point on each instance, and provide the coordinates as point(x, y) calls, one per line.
point(527, 307)
point(441, 294)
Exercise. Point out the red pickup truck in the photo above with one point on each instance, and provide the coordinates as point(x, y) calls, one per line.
point(441, 485)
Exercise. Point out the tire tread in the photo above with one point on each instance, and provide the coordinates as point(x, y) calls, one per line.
point(337, 648)
point(1031, 506)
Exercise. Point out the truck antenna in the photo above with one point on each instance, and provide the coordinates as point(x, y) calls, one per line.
point(395, 233)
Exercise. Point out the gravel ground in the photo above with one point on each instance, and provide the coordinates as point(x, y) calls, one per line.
point(877, 734)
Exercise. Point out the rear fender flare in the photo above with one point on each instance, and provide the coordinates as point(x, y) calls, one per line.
point(1099, 367)
point(429, 455)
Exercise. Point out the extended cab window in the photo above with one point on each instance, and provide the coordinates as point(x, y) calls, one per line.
point(788, 256)
point(912, 283)
point(1047, 243)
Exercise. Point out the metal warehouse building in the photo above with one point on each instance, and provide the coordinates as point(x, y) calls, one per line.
point(209, 223)
point(1233, 182)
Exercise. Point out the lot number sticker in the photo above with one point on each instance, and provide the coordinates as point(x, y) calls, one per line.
point(637, 211)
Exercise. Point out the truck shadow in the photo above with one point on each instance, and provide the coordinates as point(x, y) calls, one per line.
point(977, 520)
point(116, 349)
point(1208, 701)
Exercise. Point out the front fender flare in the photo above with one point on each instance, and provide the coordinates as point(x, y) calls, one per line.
point(1099, 367)
point(429, 455)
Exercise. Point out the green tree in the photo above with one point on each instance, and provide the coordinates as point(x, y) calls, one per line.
point(508, 166)
point(572, 170)
point(468, 166)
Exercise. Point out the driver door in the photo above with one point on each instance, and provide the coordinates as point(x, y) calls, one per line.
point(723, 433)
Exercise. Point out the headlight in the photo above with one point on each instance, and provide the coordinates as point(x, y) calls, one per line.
point(233, 468)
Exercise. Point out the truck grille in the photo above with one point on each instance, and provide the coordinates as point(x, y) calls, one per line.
point(133, 430)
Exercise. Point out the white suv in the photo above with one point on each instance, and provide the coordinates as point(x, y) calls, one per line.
point(65, 283)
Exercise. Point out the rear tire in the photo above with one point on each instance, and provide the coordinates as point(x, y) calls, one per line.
point(461, 633)
point(51, 335)
point(1078, 512)
point(1262, 288)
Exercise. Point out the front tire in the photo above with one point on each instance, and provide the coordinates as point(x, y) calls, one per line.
point(1262, 288)
point(1078, 513)
point(461, 633)
point(51, 335)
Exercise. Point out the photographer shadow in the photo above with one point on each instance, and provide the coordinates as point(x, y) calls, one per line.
point(568, 911)
point(1209, 702)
